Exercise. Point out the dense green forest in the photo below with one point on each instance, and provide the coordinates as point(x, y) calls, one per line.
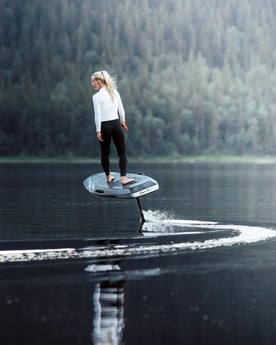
point(196, 76)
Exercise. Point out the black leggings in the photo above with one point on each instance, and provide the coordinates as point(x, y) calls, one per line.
point(113, 130)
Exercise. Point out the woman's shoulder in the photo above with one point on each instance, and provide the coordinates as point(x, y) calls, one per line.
point(98, 94)
point(94, 96)
point(117, 94)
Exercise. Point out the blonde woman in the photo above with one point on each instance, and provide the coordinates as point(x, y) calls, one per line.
point(109, 120)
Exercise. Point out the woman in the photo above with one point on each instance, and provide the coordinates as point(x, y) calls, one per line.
point(109, 120)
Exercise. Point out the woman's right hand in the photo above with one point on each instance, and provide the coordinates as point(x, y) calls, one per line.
point(123, 124)
point(99, 136)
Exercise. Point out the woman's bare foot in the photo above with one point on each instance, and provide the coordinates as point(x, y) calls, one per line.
point(125, 180)
point(110, 179)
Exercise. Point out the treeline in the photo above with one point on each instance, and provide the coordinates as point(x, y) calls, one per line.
point(196, 77)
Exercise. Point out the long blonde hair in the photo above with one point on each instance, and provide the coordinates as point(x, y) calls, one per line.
point(109, 82)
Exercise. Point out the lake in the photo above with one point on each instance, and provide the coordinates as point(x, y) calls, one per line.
point(81, 269)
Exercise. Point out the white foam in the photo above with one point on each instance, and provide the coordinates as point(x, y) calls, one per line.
point(165, 222)
point(158, 224)
point(245, 235)
point(187, 222)
point(34, 251)
point(157, 215)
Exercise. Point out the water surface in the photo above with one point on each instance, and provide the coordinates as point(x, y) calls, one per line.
point(49, 201)
point(200, 271)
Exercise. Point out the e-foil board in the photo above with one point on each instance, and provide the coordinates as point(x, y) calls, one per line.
point(142, 185)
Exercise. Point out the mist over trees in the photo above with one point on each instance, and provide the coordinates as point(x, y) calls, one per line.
point(195, 76)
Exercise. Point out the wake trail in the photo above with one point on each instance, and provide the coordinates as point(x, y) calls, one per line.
point(160, 234)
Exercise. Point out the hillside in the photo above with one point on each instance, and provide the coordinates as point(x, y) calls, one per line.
point(195, 77)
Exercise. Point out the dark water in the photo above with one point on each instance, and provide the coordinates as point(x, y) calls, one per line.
point(175, 282)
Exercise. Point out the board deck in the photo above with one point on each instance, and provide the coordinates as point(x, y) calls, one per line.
point(97, 184)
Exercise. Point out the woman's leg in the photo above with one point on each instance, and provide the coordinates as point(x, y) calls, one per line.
point(105, 148)
point(119, 142)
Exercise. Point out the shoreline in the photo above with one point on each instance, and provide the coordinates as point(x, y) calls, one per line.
point(144, 160)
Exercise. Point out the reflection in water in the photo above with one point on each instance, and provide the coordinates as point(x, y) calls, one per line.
point(108, 302)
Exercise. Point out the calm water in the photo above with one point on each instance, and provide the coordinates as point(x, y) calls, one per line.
point(178, 281)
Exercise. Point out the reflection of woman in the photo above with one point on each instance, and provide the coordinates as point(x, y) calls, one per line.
point(108, 302)
point(109, 120)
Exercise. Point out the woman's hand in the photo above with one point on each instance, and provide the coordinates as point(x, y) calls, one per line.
point(99, 136)
point(123, 124)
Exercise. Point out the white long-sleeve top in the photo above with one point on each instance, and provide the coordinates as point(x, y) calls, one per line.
point(105, 109)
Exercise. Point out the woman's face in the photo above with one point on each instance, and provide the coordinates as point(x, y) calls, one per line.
point(97, 84)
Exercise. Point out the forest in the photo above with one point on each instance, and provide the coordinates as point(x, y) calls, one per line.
point(196, 77)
